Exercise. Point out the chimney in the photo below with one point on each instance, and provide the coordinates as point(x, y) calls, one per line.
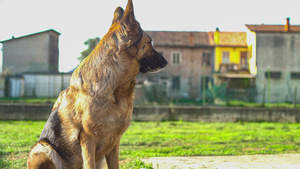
point(287, 26)
point(217, 36)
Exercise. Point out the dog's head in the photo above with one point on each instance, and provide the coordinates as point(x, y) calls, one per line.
point(128, 36)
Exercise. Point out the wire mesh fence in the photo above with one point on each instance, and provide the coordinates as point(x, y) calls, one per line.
point(158, 90)
point(219, 95)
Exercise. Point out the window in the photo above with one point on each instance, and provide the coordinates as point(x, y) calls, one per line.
point(206, 58)
point(244, 61)
point(295, 75)
point(176, 58)
point(176, 83)
point(225, 57)
point(273, 74)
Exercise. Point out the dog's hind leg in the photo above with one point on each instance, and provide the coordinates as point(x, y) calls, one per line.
point(40, 161)
point(40, 157)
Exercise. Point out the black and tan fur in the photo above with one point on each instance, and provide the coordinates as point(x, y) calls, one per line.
point(89, 118)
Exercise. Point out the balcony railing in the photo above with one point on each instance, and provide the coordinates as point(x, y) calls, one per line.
point(232, 67)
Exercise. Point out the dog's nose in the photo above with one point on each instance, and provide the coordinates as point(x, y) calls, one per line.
point(164, 62)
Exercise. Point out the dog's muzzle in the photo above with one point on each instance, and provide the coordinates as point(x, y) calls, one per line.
point(152, 63)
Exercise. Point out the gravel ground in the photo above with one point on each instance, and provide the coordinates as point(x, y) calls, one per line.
point(281, 161)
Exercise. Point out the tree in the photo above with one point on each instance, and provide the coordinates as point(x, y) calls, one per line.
point(91, 43)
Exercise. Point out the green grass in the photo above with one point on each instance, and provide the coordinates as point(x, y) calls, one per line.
point(27, 100)
point(154, 139)
point(235, 103)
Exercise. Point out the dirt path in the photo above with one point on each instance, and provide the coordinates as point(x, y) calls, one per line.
point(282, 161)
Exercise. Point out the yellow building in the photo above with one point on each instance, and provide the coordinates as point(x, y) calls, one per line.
point(232, 56)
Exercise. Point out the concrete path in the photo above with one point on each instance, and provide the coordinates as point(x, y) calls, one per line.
point(282, 161)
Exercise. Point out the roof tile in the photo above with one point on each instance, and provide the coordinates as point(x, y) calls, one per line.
point(197, 39)
point(187, 39)
point(234, 39)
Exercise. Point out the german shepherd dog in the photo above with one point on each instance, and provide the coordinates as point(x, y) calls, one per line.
point(90, 116)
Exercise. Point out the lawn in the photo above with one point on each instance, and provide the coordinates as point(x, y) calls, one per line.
point(28, 100)
point(154, 139)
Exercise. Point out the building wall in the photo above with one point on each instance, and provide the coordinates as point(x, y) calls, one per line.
point(278, 52)
point(234, 55)
point(53, 52)
point(190, 69)
point(251, 42)
point(32, 53)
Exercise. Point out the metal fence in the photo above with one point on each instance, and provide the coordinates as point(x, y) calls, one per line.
point(34, 85)
point(219, 95)
point(155, 92)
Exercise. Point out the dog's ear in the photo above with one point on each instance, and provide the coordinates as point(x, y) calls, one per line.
point(129, 31)
point(118, 14)
point(128, 17)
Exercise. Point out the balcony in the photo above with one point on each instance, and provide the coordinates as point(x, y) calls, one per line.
point(233, 67)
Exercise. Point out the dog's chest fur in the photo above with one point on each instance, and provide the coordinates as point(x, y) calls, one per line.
point(102, 119)
point(109, 119)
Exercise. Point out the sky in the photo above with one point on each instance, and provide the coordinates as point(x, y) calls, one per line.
point(79, 20)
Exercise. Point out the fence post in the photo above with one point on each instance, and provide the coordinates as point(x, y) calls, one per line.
point(295, 97)
point(34, 87)
point(264, 96)
point(227, 96)
point(49, 88)
point(203, 83)
point(212, 92)
point(269, 77)
point(62, 81)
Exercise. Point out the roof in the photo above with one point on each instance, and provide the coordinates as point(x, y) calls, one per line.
point(231, 39)
point(197, 39)
point(272, 28)
point(49, 30)
point(186, 39)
